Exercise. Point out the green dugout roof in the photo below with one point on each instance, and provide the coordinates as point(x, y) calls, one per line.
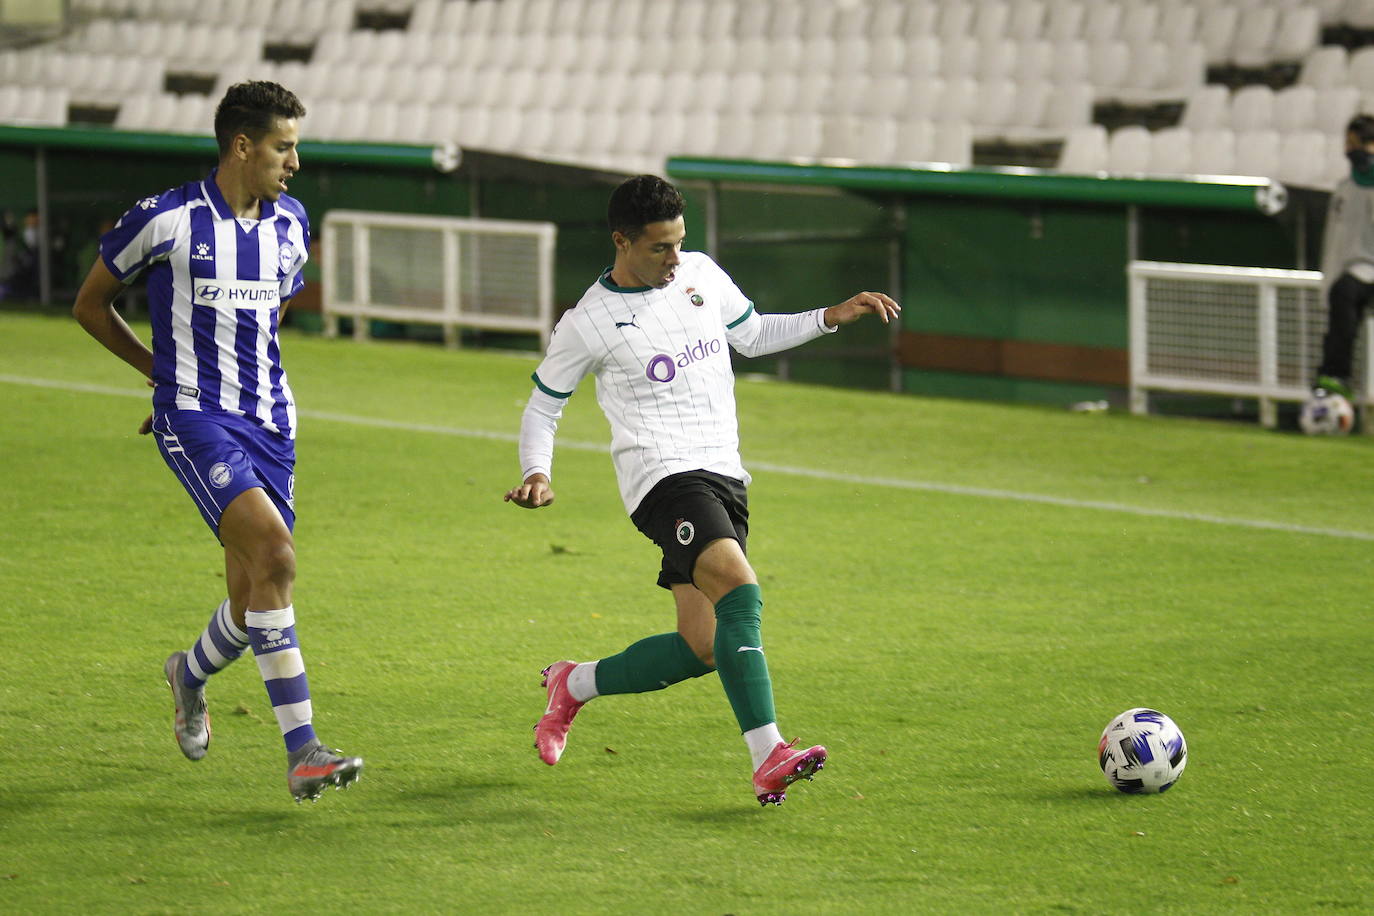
point(1213, 192)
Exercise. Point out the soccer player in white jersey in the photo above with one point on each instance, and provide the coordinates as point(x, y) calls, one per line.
point(222, 256)
point(655, 330)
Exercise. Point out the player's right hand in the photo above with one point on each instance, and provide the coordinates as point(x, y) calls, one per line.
point(534, 493)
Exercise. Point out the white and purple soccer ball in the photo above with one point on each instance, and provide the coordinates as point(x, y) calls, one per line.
point(1142, 751)
point(1326, 415)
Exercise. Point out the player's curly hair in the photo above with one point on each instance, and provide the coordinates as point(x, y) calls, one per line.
point(250, 108)
point(641, 200)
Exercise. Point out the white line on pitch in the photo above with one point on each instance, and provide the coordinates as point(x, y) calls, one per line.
point(896, 483)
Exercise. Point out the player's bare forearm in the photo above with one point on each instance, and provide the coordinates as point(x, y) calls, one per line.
point(534, 493)
point(855, 307)
point(94, 309)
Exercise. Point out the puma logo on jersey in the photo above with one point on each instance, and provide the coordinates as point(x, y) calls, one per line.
point(627, 324)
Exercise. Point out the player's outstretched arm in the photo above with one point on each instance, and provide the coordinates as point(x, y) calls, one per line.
point(534, 493)
point(855, 307)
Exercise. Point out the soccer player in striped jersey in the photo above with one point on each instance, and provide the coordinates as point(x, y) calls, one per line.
point(222, 256)
point(655, 330)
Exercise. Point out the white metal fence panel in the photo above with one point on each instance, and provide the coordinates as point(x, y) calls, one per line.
point(1238, 331)
point(450, 271)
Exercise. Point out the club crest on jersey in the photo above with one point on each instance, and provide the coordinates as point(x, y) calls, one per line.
point(685, 532)
point(286, 256)
point(694, 297)
point(664, 366)
point(220, 475)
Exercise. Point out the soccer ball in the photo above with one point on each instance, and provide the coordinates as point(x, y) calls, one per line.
point(1142, 751)
point(1326, 415)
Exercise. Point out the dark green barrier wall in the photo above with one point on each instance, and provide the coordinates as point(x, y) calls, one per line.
point(1014, 287)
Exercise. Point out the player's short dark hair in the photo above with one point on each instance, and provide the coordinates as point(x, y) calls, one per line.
point(642, 200)
point(250, 108)
point(1361, 126)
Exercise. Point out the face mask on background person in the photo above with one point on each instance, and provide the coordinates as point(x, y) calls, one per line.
point(1361, 165)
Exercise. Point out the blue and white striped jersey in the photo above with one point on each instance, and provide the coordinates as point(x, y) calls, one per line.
point(216, 285)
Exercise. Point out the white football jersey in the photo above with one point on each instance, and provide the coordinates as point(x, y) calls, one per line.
point(662, 365)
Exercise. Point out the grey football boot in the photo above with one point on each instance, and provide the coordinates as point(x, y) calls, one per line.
point(191, 724)
point(314, 767)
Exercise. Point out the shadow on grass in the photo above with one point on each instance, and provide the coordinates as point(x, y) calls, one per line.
point(1085, 794)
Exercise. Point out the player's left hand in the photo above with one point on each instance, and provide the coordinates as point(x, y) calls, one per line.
point(855, 307)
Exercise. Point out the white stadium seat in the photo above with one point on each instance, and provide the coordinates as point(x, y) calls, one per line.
point(1324, 67)
point(1302, 157)
point(1128, 150)
point(1358, 13)
point(888, 19)
point(1108, 65)
point(921, 20)
point(915, 141)
point(953, 143)
point(1207, 107)
point(1257, 153)
point(1171, 151)
point(1335, 108)
point(1214, 152)
point(1070, 62)
point(1102, 21)
point(1064, 20)
point(924, 58)
point(1252, 108)
point(996, 58)
point(1139, 22)
point(1298, 34)
point(1069, 106)
point(1254, 35)
point(956, 19)
point(995, 105)
point(1295, 109)
point(1085, 150)
point(1027, 20)
point(1217, 31)
point(1360, 72)
point(1178, 23)
point(990, 20)
point(1034, 61)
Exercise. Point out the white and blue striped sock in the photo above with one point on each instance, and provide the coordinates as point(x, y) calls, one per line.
point(220, 644)
point(273, 637)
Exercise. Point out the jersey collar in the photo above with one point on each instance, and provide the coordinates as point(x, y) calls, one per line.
point(266, 210)
point(607, 282)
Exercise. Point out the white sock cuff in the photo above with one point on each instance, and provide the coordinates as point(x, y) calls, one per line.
point(266, 620)
point(226, 618)
point(582, 682)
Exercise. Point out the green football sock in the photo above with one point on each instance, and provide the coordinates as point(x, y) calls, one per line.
point(739, 657)
point(650, 664)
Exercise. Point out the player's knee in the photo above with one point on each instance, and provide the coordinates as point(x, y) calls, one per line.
point(705, 654)
point(275, 562)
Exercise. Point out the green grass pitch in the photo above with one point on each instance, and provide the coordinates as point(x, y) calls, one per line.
point(958, 596)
